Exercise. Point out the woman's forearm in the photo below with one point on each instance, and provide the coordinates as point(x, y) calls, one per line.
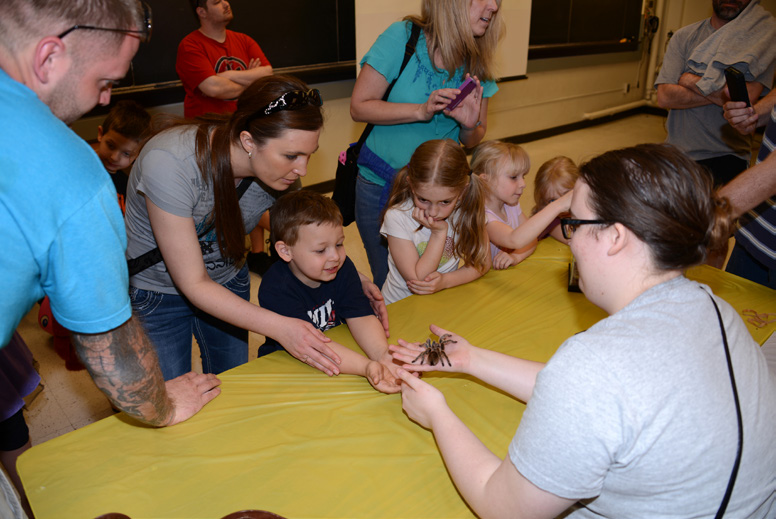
point(513, 375)
point(220, 302)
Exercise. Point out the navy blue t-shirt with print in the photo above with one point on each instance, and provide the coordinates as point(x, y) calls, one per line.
point(325, 307)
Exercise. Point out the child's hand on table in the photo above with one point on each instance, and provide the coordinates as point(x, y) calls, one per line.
point(503, 260)
point(381, 378)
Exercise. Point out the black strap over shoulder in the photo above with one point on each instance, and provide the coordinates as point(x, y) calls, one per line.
point(154, 256)
point(409, 50)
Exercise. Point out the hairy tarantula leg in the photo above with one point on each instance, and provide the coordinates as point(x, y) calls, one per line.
point(444, 356)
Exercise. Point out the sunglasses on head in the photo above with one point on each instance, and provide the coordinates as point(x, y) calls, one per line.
point(292, 100)
point(144, 34)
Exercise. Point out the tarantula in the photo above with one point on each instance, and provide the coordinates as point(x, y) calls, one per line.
point(435, 351)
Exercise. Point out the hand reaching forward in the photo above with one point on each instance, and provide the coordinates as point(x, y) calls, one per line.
point(308, 344)
point(457, 349)
point(189, 393)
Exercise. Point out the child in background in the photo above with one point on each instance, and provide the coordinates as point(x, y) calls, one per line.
point(318, 283)
point(513, 236)
point(555, 178)
point(118, 142)
point(434, 219)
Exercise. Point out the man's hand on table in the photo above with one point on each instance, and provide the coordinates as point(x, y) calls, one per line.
point(189, 393)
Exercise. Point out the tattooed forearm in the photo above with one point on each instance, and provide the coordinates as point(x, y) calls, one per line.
point(124, 365)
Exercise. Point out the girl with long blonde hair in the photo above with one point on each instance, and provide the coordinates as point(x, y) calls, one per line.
point(434, 220)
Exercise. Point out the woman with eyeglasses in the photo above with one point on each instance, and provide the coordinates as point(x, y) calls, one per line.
point(666, 408)
point(195, 191)
point(457, 40)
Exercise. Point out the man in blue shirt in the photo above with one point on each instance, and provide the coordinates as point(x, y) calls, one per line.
point(61, 228)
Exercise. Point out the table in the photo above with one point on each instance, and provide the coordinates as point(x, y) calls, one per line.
point(285, 438)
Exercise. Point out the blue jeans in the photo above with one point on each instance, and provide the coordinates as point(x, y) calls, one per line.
point(170, 320)
point(368, 221)
point(743, 264)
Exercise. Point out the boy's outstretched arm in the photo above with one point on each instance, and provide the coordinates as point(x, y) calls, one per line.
point(369, 334)
point(375, 372)
point(491, 486)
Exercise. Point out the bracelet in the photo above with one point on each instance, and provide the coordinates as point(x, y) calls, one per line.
point(479, 123)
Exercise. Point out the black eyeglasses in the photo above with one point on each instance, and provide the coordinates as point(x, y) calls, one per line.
point(569, 225)
point(143, 34)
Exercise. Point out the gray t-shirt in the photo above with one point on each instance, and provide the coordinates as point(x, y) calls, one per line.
point(636, 418)
point(701, 132)
point(166, 172)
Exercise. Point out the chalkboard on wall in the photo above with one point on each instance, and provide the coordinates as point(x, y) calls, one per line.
point(575, 27)
point(314, 39)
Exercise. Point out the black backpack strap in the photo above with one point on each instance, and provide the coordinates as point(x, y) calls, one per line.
point(154, 256)
point(409, 50)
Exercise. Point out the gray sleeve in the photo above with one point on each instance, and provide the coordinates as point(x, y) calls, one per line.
point(169, 182)
point(674, 60)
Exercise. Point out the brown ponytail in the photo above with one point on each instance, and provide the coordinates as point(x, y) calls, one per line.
point(664, 198)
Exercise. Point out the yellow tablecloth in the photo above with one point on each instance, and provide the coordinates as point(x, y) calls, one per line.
point(286, 438)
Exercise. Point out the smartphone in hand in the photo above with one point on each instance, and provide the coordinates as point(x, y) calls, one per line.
point(736, 84)
point(466, 89)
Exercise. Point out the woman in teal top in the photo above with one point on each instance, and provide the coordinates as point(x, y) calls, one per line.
point(456, 41)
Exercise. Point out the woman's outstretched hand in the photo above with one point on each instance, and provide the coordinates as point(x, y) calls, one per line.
point(457, 351)
point(308, 344)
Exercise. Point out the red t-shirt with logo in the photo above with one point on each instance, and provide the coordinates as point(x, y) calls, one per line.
point(200, 57)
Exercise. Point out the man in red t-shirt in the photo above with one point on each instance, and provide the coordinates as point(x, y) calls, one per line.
point(215, 64)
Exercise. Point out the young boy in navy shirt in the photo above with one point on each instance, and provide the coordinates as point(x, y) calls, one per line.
point(317, 282)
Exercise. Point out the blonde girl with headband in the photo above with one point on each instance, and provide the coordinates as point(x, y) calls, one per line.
point(435, 219)
point(555, 178)
point(513, 236)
